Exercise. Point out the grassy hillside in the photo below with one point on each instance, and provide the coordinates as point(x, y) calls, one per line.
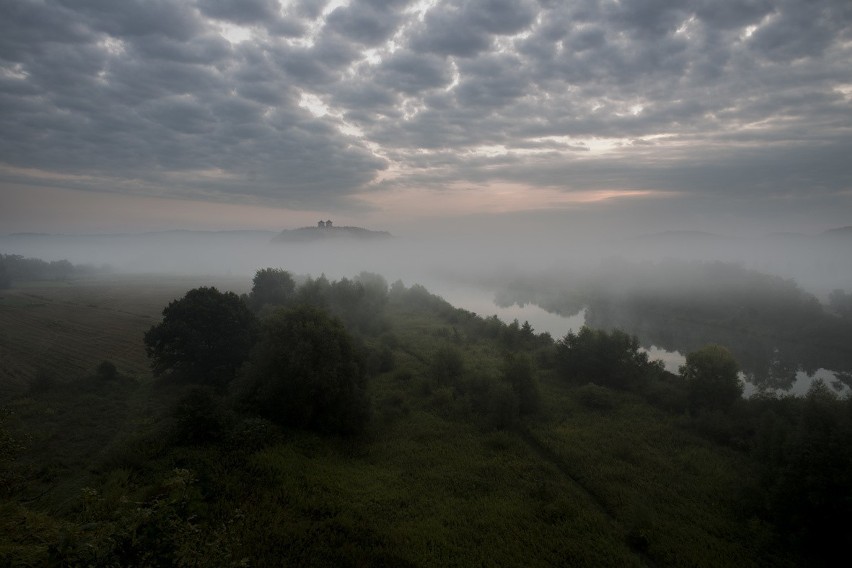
point(447, 472)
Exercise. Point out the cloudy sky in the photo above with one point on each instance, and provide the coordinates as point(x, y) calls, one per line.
point(642, 115)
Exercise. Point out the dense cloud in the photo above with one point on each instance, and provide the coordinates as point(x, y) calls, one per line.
point(305, 104)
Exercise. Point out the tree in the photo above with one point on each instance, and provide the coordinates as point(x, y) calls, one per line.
point(447, 365)
point(5, 279)
point(712, 378)
point(610, 359)
point(271, 286)
point(305, 372)
point(518, 372)
point(205, 336)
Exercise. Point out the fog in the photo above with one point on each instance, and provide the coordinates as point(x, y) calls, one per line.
point(818, 263)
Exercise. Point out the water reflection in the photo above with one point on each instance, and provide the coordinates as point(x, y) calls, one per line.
point(768, 364)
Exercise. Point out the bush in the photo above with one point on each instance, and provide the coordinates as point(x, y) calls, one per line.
point(198, 418)
point(596, 397)
point(106, 371)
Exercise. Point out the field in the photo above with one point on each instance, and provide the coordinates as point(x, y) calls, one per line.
point(64, 329)
point(597, 478)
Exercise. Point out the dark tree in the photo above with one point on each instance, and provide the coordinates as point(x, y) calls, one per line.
point(305, 372)
point(712, 379)
point(205, 336)
point(5, 279)
point(610, 359)
point(271, 286)
point(107, 371)
point(447, 365)
point(518, 372)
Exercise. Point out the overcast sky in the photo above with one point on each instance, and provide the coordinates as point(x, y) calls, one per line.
point(638, 115)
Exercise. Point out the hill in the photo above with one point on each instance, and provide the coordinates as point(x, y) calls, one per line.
point(313, 234)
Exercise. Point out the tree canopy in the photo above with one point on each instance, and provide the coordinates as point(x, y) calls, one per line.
point(271, 286)
point(712, 378)
point(305, 372)
point(612, 359)
point(204, 336)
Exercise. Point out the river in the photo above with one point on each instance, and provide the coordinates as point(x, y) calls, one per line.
point(481, 302)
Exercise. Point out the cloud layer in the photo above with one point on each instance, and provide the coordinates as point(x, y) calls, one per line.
point(315, 105)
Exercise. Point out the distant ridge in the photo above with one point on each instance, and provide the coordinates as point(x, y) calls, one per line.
point(312, 234)
point(680, 236)
point(168, 232)
point(838, 232)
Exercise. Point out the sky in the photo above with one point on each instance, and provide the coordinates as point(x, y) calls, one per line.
point(599, 116)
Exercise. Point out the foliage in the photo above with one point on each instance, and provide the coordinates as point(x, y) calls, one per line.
point(205, 336)
point(107, 371)
point(610, 359)
point(446, 366)
point(712, 379)
point(770, 324)
point(198, 418)
point(803, 446)
point(10, 447)
point(841, 302)
point(16, 267)
point(271, 286)
point(305, 372)
point(518, 371)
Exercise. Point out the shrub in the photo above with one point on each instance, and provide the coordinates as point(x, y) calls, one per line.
point(198, 418)
point(596, 397)
point(107, 371)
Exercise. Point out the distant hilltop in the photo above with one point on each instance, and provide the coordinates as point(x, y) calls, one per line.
point(327, 230)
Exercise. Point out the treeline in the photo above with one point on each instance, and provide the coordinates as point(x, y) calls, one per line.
point(299, 355)
point(17, 268)
point(772, 326)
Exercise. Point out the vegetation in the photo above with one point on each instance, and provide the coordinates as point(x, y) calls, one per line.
point(205, 337)
point(304, 372)
point(608, 358)
point(771, 326)
point(271, 286)
point(711, 378)
point(16, 268)
point(484, 444)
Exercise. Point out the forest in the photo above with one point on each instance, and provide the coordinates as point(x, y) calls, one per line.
point(297, 420)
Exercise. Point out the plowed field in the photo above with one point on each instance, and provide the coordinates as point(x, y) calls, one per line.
point(66, 329)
